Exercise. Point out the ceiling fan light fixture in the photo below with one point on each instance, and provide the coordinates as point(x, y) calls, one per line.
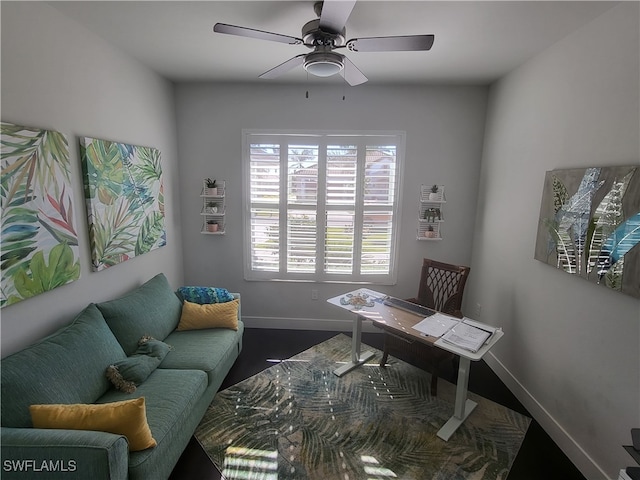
point(323, 64)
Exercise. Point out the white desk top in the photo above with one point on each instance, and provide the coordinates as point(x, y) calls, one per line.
point(402, 321)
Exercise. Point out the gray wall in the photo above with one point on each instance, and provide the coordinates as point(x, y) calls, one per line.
point(57, 75)
point(570, 349)
point(444, 127)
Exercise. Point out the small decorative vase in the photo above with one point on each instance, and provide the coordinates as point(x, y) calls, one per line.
point(212, 227)
point(434, 196)
point(211, 191)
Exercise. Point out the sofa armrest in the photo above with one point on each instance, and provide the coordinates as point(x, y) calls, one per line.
point(65, 454)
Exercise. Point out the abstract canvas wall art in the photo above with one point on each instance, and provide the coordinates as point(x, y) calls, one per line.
point(39, 243)
point(125, 201)
point(590, 225)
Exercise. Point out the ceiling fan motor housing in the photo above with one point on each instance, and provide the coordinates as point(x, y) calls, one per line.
point(313, 35)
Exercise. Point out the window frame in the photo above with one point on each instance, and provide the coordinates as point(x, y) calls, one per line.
point(322, 139)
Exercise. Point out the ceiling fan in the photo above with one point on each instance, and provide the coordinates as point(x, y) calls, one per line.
point(326, 34)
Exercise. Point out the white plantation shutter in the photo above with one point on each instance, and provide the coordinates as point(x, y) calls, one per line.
point(302, 183)
point(379, 199)
point(339, 237)
point(264, 168)
point(301, 241)
point(341, 175)
point(322, 207)
point(339, 242)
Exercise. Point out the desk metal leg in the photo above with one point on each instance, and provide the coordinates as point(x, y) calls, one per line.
point(464, 406)
point(356, 358)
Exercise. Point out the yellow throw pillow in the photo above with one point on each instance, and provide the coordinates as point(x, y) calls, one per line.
point(209, 315)
point(128, 418)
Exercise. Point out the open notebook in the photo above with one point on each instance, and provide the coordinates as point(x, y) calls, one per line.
point(464, 333)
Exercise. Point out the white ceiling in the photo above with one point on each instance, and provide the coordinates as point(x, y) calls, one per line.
point(475, 42)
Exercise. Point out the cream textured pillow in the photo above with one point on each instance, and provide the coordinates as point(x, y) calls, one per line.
point(128, 418)
point(211, 315)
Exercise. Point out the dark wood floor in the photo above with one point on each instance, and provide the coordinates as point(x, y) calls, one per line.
point(538, 458)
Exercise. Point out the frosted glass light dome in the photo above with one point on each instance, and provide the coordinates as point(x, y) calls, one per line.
point(323, 64)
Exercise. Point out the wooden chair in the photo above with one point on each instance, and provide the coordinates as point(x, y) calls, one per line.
point(441, 288)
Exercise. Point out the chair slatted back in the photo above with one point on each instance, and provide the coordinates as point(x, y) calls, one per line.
point(442, 286)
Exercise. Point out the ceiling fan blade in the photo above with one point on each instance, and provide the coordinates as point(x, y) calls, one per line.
point(284, 67)
point(351, 74)
point(406, 43)
point(253, 33)
point(335, 14)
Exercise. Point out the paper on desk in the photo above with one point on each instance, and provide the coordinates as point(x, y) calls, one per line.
point(482, 326)
point(467, 336)
point(436, 325)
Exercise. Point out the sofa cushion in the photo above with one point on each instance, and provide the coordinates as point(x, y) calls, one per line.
point(127, 417)
point(211, 350)
point(127, 374)
point(215, 315)
point(204, 295)
point(151, 309)
point(65, 367)
point(170, 396)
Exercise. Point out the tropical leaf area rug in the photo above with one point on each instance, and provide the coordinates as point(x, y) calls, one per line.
point(296, 420)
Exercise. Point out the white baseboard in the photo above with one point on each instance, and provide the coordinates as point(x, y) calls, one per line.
point(587, 466)
point(306, 324)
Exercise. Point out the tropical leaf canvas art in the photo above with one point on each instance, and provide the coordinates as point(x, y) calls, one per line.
point(125, 201)
point(39, 241)
point(590, 225)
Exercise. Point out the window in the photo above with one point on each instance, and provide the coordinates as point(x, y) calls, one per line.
point(321, 207)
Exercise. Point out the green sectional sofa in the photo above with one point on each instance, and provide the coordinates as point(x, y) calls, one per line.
point(68, 367)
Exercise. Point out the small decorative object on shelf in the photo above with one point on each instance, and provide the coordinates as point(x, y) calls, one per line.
point(210, 187)
point(430, 216)
point(212, 226)
point(434, 193)
point(213, 207)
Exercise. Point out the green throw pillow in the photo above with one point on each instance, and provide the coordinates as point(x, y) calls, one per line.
point(127, 374)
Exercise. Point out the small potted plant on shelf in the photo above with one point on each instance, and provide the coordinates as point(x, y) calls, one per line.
point(434, 193)
point(430, 233)
point(212, 207)
point(212, 226)
point(211, 187)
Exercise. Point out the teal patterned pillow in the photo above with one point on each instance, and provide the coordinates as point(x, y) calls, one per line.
point(203, 295)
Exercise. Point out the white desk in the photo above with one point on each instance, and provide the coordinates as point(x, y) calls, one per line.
point(401, 322)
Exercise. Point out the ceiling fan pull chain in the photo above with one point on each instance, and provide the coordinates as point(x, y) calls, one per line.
point(343, 85)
